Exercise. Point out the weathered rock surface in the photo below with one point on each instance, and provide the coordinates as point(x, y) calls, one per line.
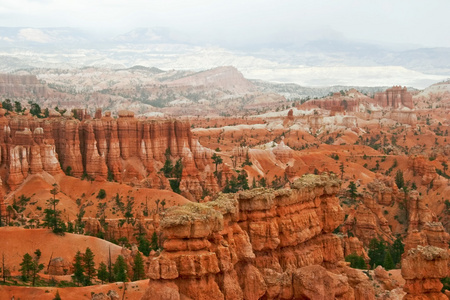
point(422, 269)
point(395, 97)
point(256, 244)
point(126, 149)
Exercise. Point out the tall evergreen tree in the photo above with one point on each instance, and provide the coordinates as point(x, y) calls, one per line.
point(25, 266)
point(120, 269)
point(397, 249)
point(154, 245)
point(138, 268)
point(36, 267)
point(78, 269)
point(88, 265)
point(217, 160)
point(129, 209)
point(352, 190)
point(144, 244)
point(102, 272)
point(388, 263)
point(377, 251)
point(399, 180)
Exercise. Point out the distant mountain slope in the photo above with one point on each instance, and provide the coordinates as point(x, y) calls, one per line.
point(321, 62)
point(226, 78)
point(293, 91)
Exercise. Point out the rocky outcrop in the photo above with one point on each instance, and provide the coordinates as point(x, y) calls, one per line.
point(254, 244)
point(125, 149)
point(58, 266)
point(422, 268)
point(404, 117)
point(111, 295)
point(421, 167)
point(335, 104)
point(289, 120)
point(395, 97)
point(423, 226)
point(367, 222)
point(384, 192)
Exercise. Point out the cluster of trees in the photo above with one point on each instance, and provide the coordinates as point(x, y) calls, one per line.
point(234, 184)
point(17, 107)
point(173, 172)
point(387, 256)
point(30, 266)
point(380, 254)
point(145, 246)
point(84, 270)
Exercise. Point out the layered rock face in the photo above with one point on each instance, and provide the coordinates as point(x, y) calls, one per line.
point(395, 97)
point(422, 269)
point(126, 148)
point(25, 151)
point(254, 244)
point(404, 117)
point(420, 165)
point(22, 85)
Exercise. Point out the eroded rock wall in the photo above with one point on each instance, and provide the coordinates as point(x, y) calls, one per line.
point(253, 245)
point(127, 149)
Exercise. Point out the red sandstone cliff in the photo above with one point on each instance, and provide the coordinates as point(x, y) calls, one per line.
point(256, 244)
point(422, 269)
point(395, 97)
point(129, 149)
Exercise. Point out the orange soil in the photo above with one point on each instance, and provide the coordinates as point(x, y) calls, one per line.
point(134, 291)
point(18, 241)
point(70, 189)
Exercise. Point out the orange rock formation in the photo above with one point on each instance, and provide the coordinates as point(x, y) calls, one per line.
point(254, 244)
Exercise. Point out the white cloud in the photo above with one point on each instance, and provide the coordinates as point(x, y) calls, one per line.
point(413, 21)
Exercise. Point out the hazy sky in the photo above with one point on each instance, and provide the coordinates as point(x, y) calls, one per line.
point(423, 23)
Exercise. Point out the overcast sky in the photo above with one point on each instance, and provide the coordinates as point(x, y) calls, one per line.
point(422, 23)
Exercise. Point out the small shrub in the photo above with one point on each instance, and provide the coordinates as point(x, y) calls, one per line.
point(101, 194)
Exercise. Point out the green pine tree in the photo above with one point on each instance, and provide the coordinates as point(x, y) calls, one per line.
point(102, 272)
point(36, 267)
point(57, 296)
point(399, 180)
point(388, 263)
point(120, 269)
point(144, 245)
point(138, 268)
point(89, 266)
point(397, 249)
point(352, 190)
point(78, 269)
point(377, 252)
point(26, 266)
point(217, 160)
